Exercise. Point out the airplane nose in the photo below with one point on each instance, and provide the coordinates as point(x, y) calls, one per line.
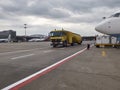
point(100, 28)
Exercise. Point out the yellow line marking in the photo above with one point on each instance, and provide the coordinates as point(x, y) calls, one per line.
point(103, 53)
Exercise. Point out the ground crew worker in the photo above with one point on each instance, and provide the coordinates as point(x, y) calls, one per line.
point(88, 46)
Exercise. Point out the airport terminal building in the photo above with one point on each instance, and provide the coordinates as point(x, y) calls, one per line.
point(8, 35)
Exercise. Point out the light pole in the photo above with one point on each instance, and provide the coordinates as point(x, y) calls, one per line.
point(25, 26)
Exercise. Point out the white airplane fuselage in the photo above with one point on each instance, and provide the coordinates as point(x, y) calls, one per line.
point(110, 26)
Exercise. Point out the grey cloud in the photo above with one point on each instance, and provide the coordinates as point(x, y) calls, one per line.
point(53, 9)
point(47, 10)
point(41, 8)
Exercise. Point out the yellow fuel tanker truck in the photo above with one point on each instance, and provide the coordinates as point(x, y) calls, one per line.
point(64, 38)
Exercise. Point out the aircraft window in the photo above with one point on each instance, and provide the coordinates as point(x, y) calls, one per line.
point(116, 15)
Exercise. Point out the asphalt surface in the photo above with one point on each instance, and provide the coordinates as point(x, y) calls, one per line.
point(94, 69)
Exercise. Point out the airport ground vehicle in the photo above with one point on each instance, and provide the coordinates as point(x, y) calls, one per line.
point(63, 37)
point(106, 41)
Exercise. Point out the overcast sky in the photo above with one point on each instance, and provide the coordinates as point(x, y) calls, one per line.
point(42, 16)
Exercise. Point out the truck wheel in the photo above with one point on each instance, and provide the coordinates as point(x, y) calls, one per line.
point(80, 43)
point(65, 44)
point(72, 44)
point(97, 46)
point(54, 45)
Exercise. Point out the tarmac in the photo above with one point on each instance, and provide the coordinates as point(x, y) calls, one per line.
point(93, 69)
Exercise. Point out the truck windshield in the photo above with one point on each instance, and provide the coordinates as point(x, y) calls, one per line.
point(52, 34)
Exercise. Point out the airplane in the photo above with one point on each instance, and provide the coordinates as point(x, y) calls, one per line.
point(110, 25)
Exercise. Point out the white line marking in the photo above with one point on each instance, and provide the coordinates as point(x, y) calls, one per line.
point(41, 72)
point(22, 56)
point(47, 51)
point(21, 51)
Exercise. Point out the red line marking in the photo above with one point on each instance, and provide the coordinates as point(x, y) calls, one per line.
point(17, 87)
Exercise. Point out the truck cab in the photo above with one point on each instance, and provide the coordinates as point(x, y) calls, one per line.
point(58, 38)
